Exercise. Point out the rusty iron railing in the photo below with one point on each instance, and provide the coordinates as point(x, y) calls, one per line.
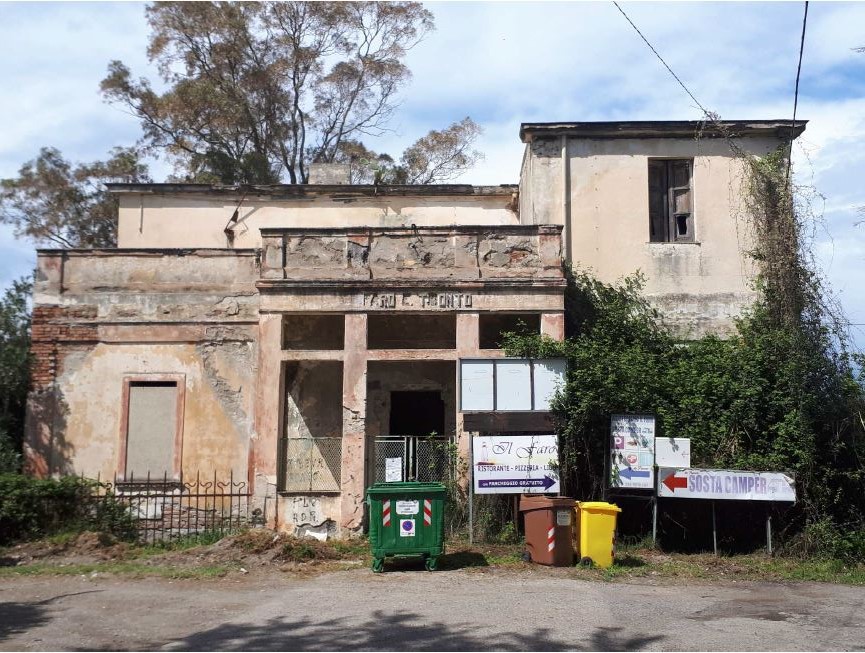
point(163, 509)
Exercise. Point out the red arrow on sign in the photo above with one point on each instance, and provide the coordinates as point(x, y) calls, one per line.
point(673, 481)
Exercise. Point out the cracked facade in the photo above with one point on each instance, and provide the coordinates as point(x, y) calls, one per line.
point(291, 343)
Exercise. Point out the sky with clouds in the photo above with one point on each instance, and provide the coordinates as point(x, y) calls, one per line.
point(503, 63)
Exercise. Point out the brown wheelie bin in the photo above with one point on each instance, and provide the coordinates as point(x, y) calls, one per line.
point(548, 521)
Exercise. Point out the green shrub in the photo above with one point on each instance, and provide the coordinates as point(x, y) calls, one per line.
point(33, 507)
point(826, 540)
point(774, 396)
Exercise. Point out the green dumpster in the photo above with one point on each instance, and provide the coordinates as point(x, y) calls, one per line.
point(406, 519)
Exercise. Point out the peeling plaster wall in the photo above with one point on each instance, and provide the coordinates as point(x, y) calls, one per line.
point(198, 221)
point(101, 318)
point(212, 319)
point(313, 408)
point(89, 392)
point(700, 286)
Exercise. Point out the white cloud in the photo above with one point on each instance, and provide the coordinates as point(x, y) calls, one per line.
point(504, 63)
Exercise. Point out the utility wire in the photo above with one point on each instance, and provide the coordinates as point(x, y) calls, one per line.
point(661, 59)
point(796, 92)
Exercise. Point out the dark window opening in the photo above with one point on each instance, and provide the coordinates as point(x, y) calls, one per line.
point(429, 331)
point(671, 216)
point(418, 413)
point(326, 332)
point(492, 326)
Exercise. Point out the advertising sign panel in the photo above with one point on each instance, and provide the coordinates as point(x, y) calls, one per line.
point(515, 464)
point(725, 484)
point(632, 451)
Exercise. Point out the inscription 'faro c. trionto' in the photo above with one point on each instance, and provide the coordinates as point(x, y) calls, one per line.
point(432, 300)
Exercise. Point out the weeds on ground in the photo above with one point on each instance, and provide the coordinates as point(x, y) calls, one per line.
point(652, 564)
point(126, 568)
point(181, 543)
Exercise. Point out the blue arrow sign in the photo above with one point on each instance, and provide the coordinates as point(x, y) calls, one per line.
point(629, 473)
point(546, 482)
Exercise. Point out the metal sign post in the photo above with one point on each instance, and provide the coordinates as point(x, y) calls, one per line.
point(655, 518)
point(714, 530)
point(471, 490)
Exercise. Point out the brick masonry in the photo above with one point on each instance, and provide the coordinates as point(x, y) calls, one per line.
point(53, 330)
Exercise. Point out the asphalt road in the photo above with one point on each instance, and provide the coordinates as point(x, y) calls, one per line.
point(417, 611)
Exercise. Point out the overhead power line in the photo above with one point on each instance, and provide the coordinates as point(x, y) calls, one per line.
point(796, 92)
point(666, 65)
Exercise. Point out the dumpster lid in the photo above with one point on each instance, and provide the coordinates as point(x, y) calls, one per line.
point(404, 487)
point(598, 505)
point(538, 502)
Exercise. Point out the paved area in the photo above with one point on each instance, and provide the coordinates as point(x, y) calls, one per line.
point(414, 611)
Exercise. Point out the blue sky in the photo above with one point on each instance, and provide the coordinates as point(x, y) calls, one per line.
point(502, 64)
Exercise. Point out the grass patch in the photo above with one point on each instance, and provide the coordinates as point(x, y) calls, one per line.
point(127, 568)
point(707, 567)
point(355, 547)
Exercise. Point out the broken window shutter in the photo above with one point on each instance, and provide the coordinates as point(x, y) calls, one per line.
point(657, 201)
point(681, 221)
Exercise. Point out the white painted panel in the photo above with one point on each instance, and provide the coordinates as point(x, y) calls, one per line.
point(549, 375)
point(476, 383)
point(513, 385)
point(673, 452)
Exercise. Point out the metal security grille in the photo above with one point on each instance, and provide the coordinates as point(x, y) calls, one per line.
point(423, 458)
point(310, 464)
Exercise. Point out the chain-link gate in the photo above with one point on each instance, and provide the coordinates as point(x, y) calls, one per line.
point(422, 458)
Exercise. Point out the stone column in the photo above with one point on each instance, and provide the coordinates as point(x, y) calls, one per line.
point(353, 478)
point(268, 405)
point(468, 346)
point(553, 325)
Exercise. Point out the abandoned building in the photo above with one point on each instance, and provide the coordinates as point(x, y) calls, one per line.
point(289, 334)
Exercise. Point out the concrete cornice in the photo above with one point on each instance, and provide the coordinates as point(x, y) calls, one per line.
point(782, 129)
point(311, 191)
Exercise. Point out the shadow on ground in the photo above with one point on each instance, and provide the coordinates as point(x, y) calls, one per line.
point(401, 631)
point(16, 618)
point(446, 562)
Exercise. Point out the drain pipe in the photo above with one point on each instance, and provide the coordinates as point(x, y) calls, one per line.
point(566, 199)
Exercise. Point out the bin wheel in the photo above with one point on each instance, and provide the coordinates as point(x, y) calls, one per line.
point(586, 562)
point(431, 563)
point(527, 556)
point(378, 565)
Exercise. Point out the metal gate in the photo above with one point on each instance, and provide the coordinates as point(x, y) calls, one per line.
point(422, 458)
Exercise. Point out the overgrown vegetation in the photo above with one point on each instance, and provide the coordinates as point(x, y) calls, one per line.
point(781, 394)
point(33, 507)
point(14, 371)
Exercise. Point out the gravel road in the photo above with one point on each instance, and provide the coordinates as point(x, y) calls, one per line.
point(418, 611)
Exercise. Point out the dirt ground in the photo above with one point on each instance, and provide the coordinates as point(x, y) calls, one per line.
point(413, 610)
point(260, 591)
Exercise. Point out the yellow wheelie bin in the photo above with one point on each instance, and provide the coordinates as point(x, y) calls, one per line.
point(595, 529)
